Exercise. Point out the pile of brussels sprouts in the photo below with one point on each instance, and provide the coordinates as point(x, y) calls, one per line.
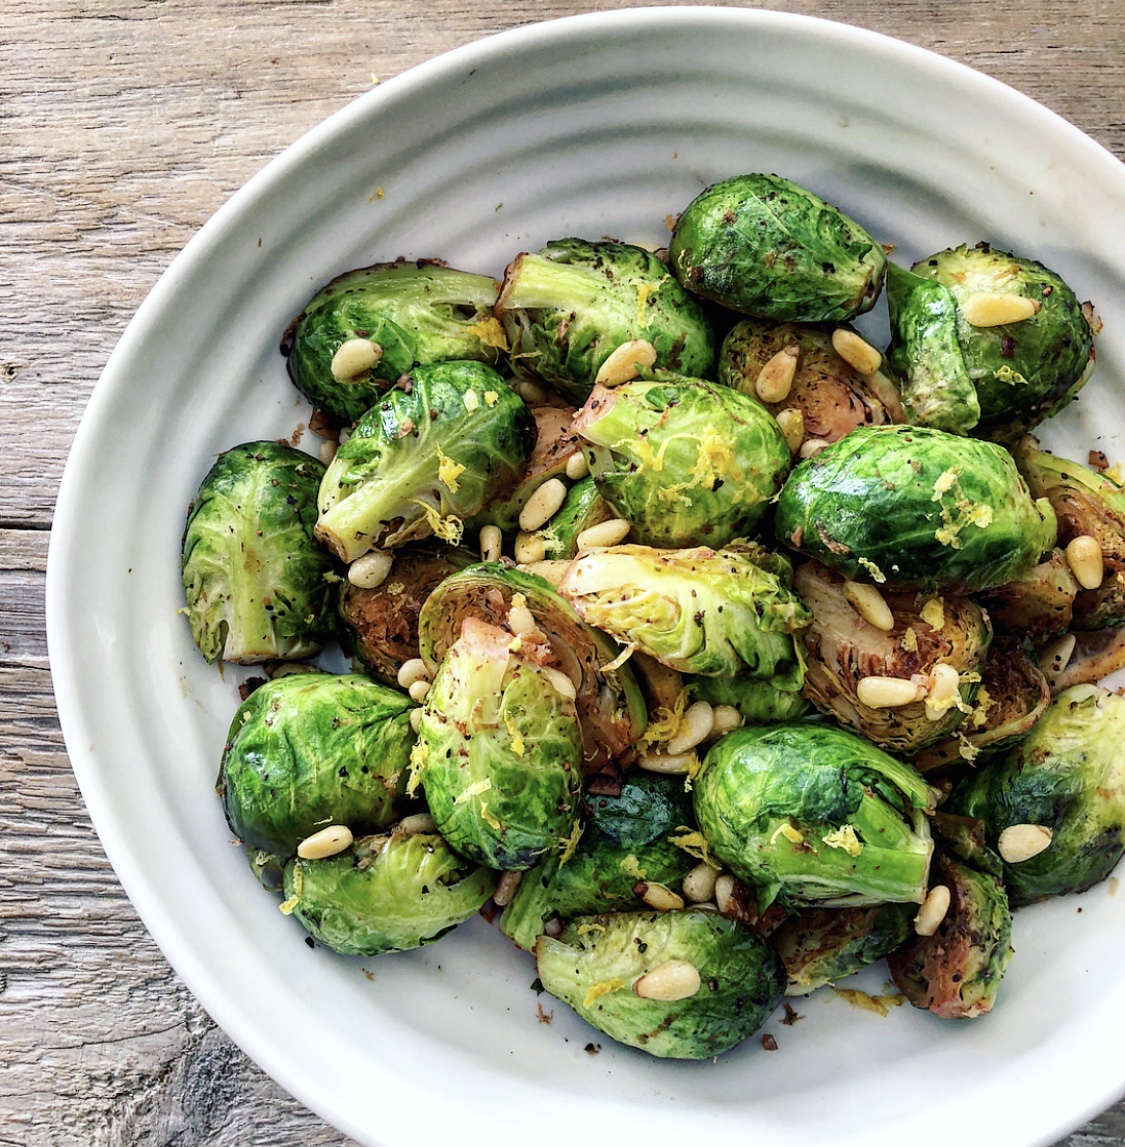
point(715, 652)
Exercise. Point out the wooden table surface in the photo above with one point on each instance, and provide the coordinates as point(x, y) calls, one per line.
point(124, 124)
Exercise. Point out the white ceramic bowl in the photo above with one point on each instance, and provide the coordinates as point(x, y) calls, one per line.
point(595, 125)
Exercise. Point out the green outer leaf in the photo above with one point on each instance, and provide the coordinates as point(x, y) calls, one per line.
point(759, 699)
point(742, 979)
point(314, 749)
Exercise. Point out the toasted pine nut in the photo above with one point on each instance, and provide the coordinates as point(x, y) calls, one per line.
point(725, 719)
point(699, 884)
point(542, 506)
point(725, 885)
point(371, 570)
point(529, 548)
point(520, 619)
point(887, 692)
point(987, 309)
point(775, 379)
point(530, 391)
point(608, 533)
point(344, 435)
point(562, 683)
point(328, 842)
point(812, 446)
point(327, 451)
point(655, 762)
point(1084, 556)
point(1020, 842)
point(418, 691)
point(412, 670)
point(792, 423)
point(355, 357)
point(945, 689)
point(491, 543)
point(857, 352)
point(694, 728)
point(933, 911)
point(670, 981)
point(622, 365)
point(552, 571)
point(659, 896)
point(506, 888)
point(415, 719)
point(417, 824)
point(577, 467)
point(870, 604)
point(1055, 656)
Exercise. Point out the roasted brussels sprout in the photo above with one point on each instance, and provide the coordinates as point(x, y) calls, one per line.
point(1037, 603)
point(314, 749)
point(387, 893)
point(258, 587)
point(680, 985)
point(987, 341)
point(686, 462)
point(569, 307)
point(811, 814)
point(584, 507)
point(1054, 805)
point(697, 611)
point(434, 450)
point(368, 327)
point(758, 699)
point(499, 751)
point(761, 245)
point(956, 971)
point(917, 508)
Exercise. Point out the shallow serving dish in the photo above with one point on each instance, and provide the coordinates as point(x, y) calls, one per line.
point(595, 125)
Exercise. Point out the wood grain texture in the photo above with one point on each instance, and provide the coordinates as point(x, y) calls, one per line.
point(124, 124)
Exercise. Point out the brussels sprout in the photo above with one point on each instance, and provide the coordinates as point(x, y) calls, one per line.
point(819, 946)
point(383, 621)
point(1086, 504)
point(1017, 373)
point(628, 838)
point(314, 749)
point(832, 397)
point(434, 451)
point(1037, 603)
point(569, 307)
point(1066, 778)
point(687, 463)
point(697, 611)
point(964, 837)
point(844, 648)
point(916, 508)
point(258, 586)
point(1094, 655)
point(761, 245)
point(499, 752)
point(413, 312)
point(956, 972)
point(758, 699)
point(268, 869)
point(810, 814)
point(618, 971)
point(584, 507)
point(611, 709)
point(386, 894)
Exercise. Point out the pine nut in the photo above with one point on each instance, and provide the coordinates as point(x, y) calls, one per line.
point(673, 980)
point(418, 691)
point(506, 888)
point(725, 886)
point(530, 391)
point(562, 683)
point(371, 570)
point(792, 423)
point(870, 604)
point(577, 467)
point(355, 357)
point(887, 692)
point(608, 533)
point(659, 896)
point(520, 619)
point(626, 362)
point(1020, 842)
point(812, 446)
point(491, 543)
point(933, 911)
point(529, 548)
point(553, 571)
point(775, 379)
point(415, 719)
point(345, 434)
point(328, 842)
point(995, 310)
point(542, 506)
point(694, 728)
point(411, 671)
point(417, 824)
point(725, 719)
point(858, 353)
point(699, 884)
point(656, 762)
point(327, 451)
point(277, 669)
point(1055, 656)
point(1084, 556)
point(945, 691)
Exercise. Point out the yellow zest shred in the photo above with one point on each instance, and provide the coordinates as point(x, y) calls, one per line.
point(490, 332)
point(449, 471)
point(875, 572)
point(694, 844)
point(571, 843)
point(880, 1005)
point(492, 397)
point(475, 789)
point(968, 513)
point(910, 640)
point(631, 867)
point(287, 906)
point(449, 529)
point(396, 587)
point(845, 838)
point(487, 816)
point(662, 724)
point(605, 988)
point(980, 710)
point(514, 733)
point(933, 613)
point(786, 830)
point(418, 756)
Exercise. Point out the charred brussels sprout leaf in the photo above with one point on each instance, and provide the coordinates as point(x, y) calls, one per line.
point(1040, 602)
point(915, 507)
point(430, 454)
point(310, 750)
point(601, 965)
point(413, 313)
point(258, 587)
point(569, 307)
point(387, 894)
point(764, 246)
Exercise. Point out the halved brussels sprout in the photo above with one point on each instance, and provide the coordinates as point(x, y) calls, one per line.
point(764, 246)
point(414, 312)
point(258, 587)
point(314, 749)
point(811, 814)
point(687, 462)
point(387, 893)
point(435, 450)
point(680, 985)
point(1037, 603)
point(569, 307)
point(915, 507)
